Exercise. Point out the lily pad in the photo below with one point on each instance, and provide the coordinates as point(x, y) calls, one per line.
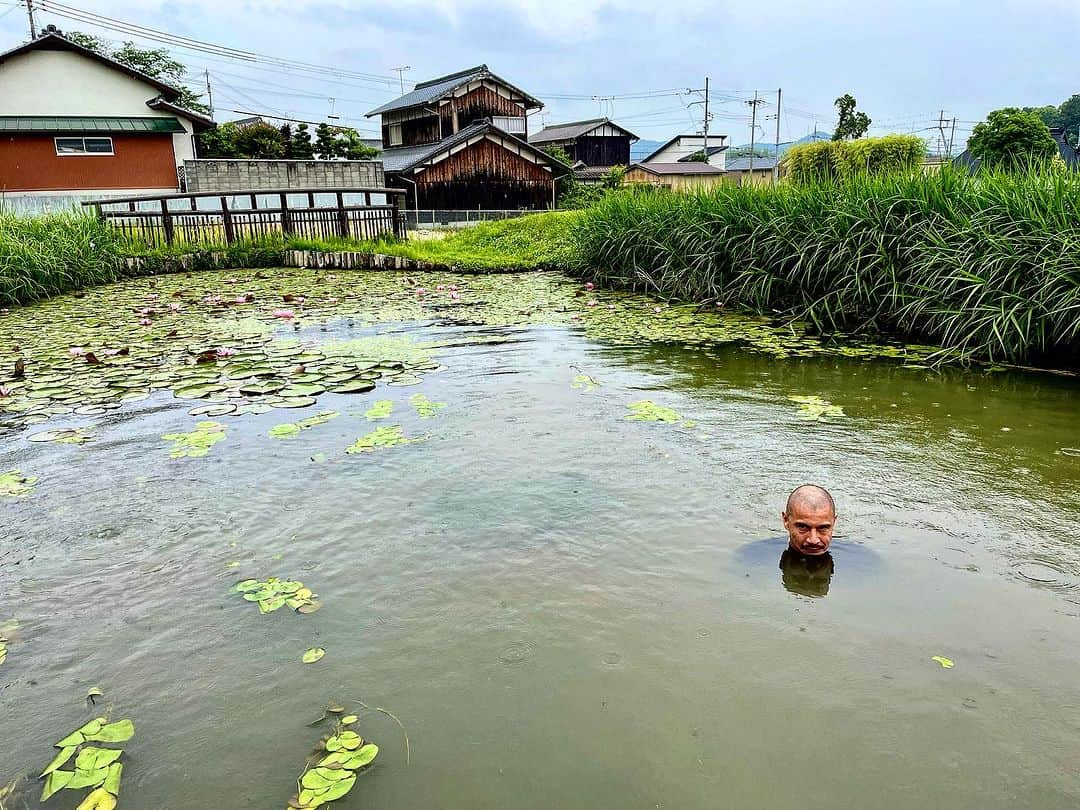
point(425, 408)
point(313, 655)
point(13, 484)
point(379, 410)
point(383, 437)
point(648, 411)
point(197, 443)
point(815, 408)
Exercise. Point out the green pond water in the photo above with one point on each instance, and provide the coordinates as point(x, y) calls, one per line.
point(565, 607)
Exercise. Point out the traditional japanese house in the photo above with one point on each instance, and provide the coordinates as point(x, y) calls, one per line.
point(594, 146)
point(461, 141)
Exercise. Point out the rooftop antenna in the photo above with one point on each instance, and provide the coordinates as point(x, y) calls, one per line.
point(400, 71)
point(330, 115)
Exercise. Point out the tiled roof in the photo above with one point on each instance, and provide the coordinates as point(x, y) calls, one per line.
point(435, 89)
point(679, 168)
point(742, 164)
point(574, 129)
point(404, 158)
point(87, 124)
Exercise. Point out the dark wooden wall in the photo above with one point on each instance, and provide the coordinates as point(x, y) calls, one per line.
point(414, 132)
point(485, 175)
point(479, 103)
point(601, 150)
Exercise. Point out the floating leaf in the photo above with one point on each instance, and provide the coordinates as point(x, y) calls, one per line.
point(87, 778)
point(583, 382)
point(120, 731)
point(112, 782)
point(13, 484)
point(425, 408)
point(100, 799)
point(946, 663)
point(380, 410)
point(389, 436)
point(285, 431)
point(197, 443)
point(93, 692)
point(274, 593)
point(349, 719)
point(92, 758)
point(61, 759)
point(56, 781)
point(69, 436)
point(648, 411)
point(816, 408)
point(313, 655)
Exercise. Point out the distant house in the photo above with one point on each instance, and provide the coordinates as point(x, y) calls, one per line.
point(739, 170)
point(684, 147)
point(461, 141)
point(75, 122)
point(676, 176)
point(594, 146)
point(1068, 153)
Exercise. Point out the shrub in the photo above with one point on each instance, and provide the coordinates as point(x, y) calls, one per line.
point(833, 160)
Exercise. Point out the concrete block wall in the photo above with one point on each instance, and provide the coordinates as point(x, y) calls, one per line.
point(249, 175)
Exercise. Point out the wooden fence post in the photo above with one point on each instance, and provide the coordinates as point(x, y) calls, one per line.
point(397, 229)
point(226, 220)
point(343, 217)
point(286, 219)
point(167, 222)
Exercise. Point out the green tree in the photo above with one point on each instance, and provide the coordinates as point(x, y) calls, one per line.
point(1069, 118)
point(1012, 139)
point(219, 142)
point(259, 141)
point(302, 148)
point(851, 124)
point(287, 140)
point(325, 142)
point(613, 177)
point(567, 183)
point(1050, 115)
point(351, 147)
point(157, 63)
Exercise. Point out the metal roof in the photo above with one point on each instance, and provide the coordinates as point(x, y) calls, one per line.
point(435, 89)
point(742, 164)
point(678, 168)
point(87, 124)
point(677, 138)
point(712, 151)
point(574, 129)
point(402, 159)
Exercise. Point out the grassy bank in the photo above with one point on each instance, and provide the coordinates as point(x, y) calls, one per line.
point(535, 242)
point(988, 266)
point(45, 256)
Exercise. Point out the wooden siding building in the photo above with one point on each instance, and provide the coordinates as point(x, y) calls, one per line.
point(594, 146)
point(675, 176)
point(73, 121)
point(460, 141)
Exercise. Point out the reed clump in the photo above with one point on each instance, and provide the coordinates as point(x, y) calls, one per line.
point(48, 255)
point(986, 266)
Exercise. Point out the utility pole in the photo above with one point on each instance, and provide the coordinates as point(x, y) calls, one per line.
point(706, 119)
point(30, 14)
point(753, 130)
point(209, 93)
point(952, 134)
point(400, 71)
point(776, 152)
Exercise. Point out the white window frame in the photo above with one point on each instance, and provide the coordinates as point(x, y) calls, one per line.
point(84, 152)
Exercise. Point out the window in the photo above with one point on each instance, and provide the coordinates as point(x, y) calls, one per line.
point(514, 125)
point(395, 134)
point(83, 146)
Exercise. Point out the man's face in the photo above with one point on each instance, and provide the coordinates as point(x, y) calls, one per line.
point(809, 528)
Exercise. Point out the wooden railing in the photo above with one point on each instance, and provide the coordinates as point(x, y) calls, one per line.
point(213, 218)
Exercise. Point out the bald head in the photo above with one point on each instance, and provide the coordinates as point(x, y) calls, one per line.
point(810, 498)
point(809, 519)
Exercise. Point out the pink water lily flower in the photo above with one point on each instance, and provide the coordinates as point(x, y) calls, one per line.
point(454, 296)
point(592, 302)
point(240, 299)
point(331, 300)
point(421, 291)
point(146, 311)
point(656, 309)
point(212, 299)
point(440, 287)
point(175, 307)
point(4, 392)
point(453, 288)
point(285, 314)
point(589, 285)
point(145, 322)
point(611, 306)
point(76, 351)
point(225, 351)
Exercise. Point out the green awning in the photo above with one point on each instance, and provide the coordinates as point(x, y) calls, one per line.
point(82, 125)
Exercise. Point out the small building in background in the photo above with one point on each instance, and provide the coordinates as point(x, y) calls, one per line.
point(461, 142)
point(1068, 153)
point(76, 123)
point(594, 146)
point(691, 148)
point(740, 171)
point(689, 176)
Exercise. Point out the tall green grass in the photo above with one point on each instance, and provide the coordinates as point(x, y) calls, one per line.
point(47, 255)
point(987, 266)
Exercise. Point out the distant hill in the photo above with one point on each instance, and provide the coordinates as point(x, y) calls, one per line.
point(768, 149)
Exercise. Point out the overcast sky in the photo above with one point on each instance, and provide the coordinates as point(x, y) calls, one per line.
point(903, 61)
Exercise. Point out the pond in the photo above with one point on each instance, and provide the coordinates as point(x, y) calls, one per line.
point(563, 606)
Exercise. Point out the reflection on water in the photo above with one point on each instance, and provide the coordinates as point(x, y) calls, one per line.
point(565, 608)
point(808, 576)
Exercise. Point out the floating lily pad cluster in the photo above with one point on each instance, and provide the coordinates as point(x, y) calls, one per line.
point(815, 408)
point(273, 593)
point(583, 382)
point(426, 408)
point(67, 436)
point(388, 436)
point(290, 429)
point(95, 767)
point(197, 443)
point(13, 484)
point(646, 410)
point(210, 336)
point(332, 772)
point(380, 409)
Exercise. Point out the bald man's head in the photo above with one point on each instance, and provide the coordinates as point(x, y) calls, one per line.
point(809, 519)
